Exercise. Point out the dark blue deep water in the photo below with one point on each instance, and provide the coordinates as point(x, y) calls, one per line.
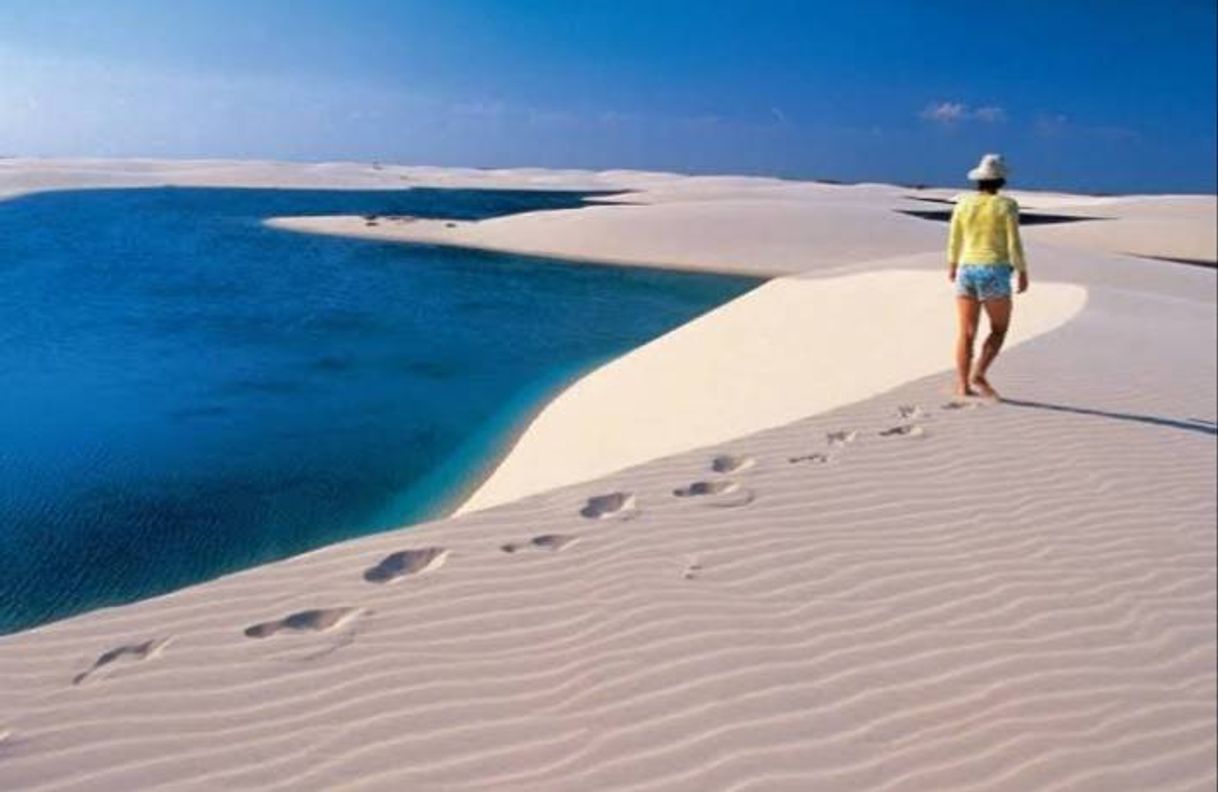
point(185, 392)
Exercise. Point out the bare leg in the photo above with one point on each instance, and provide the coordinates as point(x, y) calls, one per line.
point(999, 313)
point(968, 313)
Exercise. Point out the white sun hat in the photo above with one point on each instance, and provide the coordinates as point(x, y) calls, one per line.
point(991, 167)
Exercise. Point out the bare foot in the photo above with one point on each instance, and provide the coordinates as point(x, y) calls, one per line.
point(984, 388)
point(964, 391)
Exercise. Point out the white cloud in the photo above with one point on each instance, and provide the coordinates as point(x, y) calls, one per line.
point(951, 113)
point(944, 112)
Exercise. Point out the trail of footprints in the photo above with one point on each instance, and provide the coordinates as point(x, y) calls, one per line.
point(713, 492)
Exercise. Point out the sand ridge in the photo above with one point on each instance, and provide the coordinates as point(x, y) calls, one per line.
point(749, 365)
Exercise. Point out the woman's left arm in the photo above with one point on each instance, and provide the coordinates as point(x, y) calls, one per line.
point(1015, 247)
point(955, 241)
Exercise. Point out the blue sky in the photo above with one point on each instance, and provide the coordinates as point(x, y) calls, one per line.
point(1094, 95)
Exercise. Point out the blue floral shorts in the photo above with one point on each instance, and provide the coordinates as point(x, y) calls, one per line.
point(984, 281)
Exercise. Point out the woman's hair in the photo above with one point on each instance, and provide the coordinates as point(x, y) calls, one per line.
point(991, 185)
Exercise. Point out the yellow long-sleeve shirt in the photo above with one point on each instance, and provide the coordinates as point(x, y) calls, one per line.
point(985, 230)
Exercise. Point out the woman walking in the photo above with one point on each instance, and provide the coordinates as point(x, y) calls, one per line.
point(983, 251)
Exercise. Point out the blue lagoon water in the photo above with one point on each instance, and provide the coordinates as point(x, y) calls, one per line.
point(187, 392)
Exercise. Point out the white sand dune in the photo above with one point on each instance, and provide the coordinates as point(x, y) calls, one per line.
point(769, 227)
point(749, 365)
point(889, 591)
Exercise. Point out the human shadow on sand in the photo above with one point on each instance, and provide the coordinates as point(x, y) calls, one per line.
point(1191, 424)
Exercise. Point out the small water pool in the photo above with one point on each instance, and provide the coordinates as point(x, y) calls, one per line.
point(187, 392)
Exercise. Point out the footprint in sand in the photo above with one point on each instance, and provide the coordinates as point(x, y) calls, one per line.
point(905, 430)
point(317, 620)
point(406, 562)
point(551, 542)
point(124, 655)
point(706, 488)
point(8, 741)
point(726, 493)
point(816, 458)
point(692, 568)
point(841, 438)
point(960, 404)
point(614, 504)
point(727, 463)
point(908, 411)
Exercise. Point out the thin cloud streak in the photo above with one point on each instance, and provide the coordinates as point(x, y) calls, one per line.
point(951, 113)
point(1060, 125)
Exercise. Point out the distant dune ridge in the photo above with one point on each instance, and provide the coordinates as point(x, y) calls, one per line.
point(767, 551)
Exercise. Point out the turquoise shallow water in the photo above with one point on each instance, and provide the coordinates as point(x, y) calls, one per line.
point(187, 392)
